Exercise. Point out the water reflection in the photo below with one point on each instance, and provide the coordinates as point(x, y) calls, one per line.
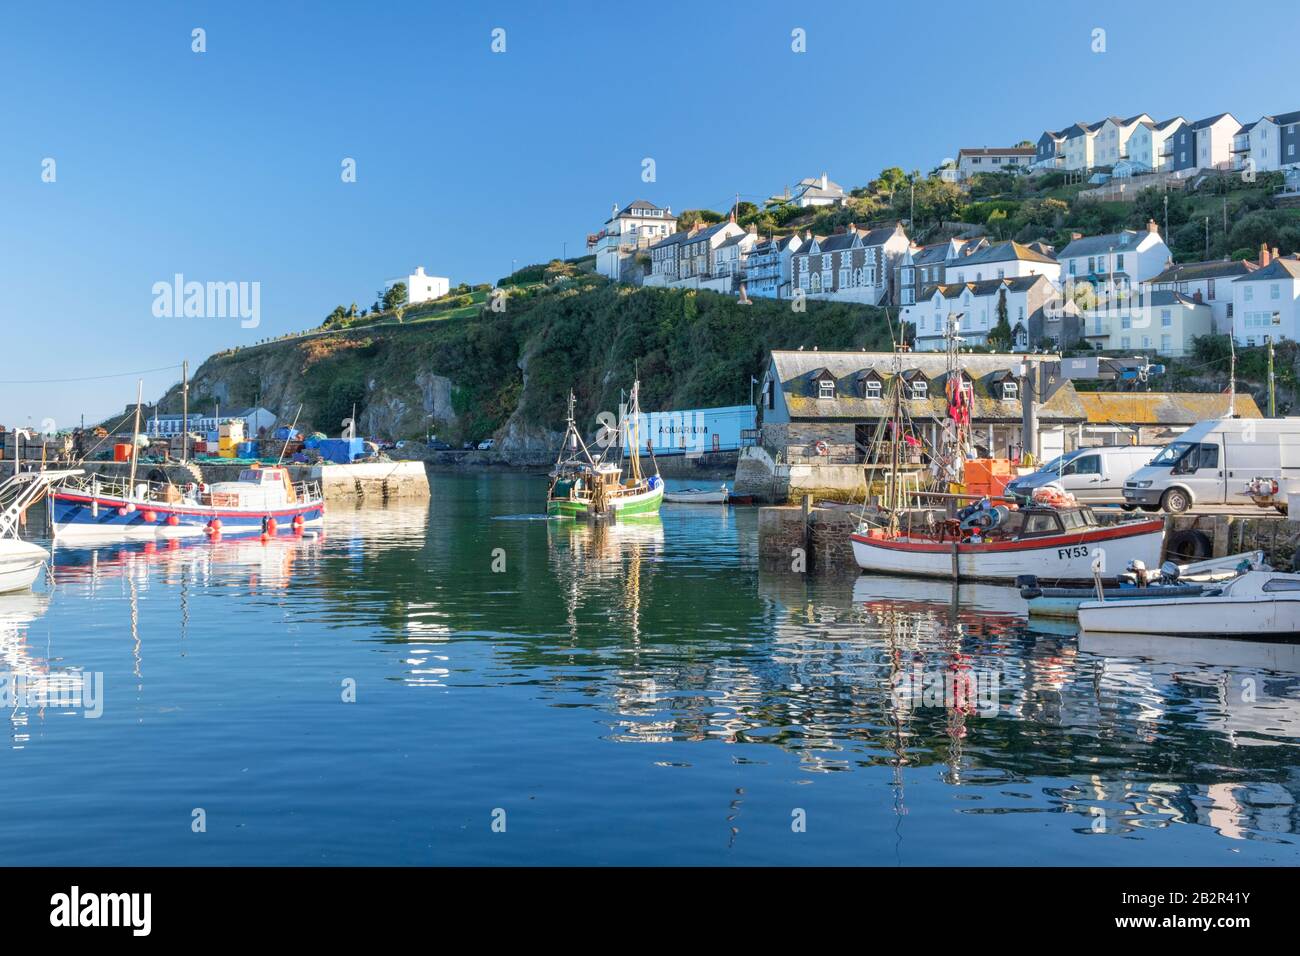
point(32, 682)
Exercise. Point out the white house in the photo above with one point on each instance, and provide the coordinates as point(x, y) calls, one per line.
point(633, 228)
point(1146, 145)
point(813, 191)
point(731, 256)
point(1004, 260)
point(1266, 303)
point(423, 288)
point(1214, 141)
point(1111, 144)
point(922, 266)
point(257, 421)
point(1079, 146)
point(1208, 282)
point(850, 266)
point(767, 269)
point(686, 259)
point(1114, 264)
point(1269, 143)
point(986, 159)
point(1034, 312)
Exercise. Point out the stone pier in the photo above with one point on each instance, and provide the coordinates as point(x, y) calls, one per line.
point(361, 481)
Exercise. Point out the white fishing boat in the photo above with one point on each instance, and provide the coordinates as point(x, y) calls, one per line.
point(1259, 604)
point(698, 496)
point(21, 561)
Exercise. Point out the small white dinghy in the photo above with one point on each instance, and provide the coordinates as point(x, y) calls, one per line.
point(698, 496)
point(1259, 604)
point(21, 561)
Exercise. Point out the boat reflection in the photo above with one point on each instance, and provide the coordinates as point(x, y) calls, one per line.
point(31, 687)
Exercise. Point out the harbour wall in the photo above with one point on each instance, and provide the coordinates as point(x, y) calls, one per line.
point(359, 481)
point(819, 537)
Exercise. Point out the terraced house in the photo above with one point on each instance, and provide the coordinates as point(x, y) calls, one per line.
point(850, 266)
point(1034, 310)
point(923, 266)
point(1208, 282)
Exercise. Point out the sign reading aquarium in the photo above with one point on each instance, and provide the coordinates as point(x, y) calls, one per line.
point(690, 431)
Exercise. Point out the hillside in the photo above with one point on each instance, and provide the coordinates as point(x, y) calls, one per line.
point(507, 373)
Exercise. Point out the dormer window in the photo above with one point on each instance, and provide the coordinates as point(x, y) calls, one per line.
point(872, 388)
point(920, 390)
point(1010, 390)
point(826, 388)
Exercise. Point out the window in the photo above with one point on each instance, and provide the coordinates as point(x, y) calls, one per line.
point(1274, 291)
point(769, 394)
point(1010, 390)
point(1124, 342)
point(1083, 465)
point(920, 389)
point(1166, 317)
point(873, 388)
point(1209, 289)
point(825, 388)
point(1119, 262)
point(1282, 584)
point(1248, 293)
point(1092, 263)
point(1126, 322)
point(1072, 266)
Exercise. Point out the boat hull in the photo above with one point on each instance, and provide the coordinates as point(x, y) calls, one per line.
point(1054, 558)
point(645, 503)
point(1211, 616)
point(85, 517)
point(20, 565)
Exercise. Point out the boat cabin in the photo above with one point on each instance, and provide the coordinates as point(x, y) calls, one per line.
point(1034, 522)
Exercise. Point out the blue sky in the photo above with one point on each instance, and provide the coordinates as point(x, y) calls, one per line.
point(225, 165)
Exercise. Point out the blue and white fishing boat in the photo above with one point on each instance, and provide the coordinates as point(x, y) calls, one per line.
point(263, 501)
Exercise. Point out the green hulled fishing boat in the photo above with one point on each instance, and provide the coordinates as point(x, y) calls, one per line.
point(587, 486)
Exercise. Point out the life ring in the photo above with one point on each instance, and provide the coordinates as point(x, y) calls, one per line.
point(821, 447)
point(1188, 545)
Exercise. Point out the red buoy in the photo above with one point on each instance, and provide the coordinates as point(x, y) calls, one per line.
point(121, 512)
point(173, 520)
point(270, 526)
point(150, 517)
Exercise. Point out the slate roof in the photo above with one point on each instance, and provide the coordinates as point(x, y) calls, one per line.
point(1211, 120)
point(795, 371)
point(997, 151)
point(1169, 297)
point(639, 204)
point(1277, 269)
point(1109, 242)
point(1169, 122)
point(954, 290)
point(1195, 271)
point(1008, 251)
point(1162, 408)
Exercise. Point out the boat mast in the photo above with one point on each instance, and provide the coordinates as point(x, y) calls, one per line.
point(135, 436)
point(636, 430)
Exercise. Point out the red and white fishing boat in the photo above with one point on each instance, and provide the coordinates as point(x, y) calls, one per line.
point(1056, 544)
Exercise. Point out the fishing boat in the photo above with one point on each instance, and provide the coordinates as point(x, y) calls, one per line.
point(264, 500)
point(1051, 536)
point(698, 496)
point(21, 561)
point(1256, 604)
point(583, 485)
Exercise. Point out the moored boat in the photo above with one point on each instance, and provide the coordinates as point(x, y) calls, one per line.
point(587, 486)
point(21, 561)
point(262, 501)
point(698, 496)
point(1258, 604)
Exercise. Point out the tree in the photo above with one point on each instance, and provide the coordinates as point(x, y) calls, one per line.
point(1000, 334)
point(395, 296)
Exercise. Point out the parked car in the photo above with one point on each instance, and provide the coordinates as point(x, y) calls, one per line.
point(437, 444)
point(1212, 462)
point(487, 444)
point(1093, 475)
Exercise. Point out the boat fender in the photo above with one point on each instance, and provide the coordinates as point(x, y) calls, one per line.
point(821, 446)
point(214, 526)
point(130, 507)
point(173, 520)
point(150, 517)
point(121, 512)
point(270, 526)
point(1188, 545)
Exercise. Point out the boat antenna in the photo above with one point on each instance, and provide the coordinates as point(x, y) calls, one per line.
point(292, 428)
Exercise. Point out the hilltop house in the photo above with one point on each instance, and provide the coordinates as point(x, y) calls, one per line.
point(813, 191)
point(767, 270)
point(730, 256)
point(850, 266)
point(1214, 140)
point(985, 159)
point(1079, 146)
point(1114, 264)
point(1146, 145)
point(922, 266)
point(1208, 282)
point(633, 228)
point(1269, 143)
point(425, 288)
point(1033, 307)
point(1266, 302)
point(840, 398)
point(1113, 137)
point(1049, 153)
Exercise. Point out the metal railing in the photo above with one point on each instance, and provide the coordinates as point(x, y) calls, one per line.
point(166, 492)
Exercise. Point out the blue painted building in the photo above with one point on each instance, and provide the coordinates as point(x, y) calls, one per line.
point(693, 430)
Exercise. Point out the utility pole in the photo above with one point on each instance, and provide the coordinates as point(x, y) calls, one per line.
point(1272, 398)
point(185, 411)
point(1166, 213)
point(1232, 376)
point(1207, 237)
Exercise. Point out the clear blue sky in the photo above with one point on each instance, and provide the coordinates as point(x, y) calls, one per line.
point(225, 165)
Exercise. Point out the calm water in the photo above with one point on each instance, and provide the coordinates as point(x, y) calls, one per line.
point(640, 694)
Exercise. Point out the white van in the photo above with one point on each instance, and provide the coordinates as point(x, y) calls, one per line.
point(1212, 462)
point(1095, 476)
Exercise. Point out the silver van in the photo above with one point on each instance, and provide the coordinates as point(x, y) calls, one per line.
point(1095, 476)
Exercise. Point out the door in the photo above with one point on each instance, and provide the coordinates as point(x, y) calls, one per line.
point(1201, 472)
point(1082, 477)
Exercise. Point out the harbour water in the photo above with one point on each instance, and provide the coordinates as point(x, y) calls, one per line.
point(462, 682)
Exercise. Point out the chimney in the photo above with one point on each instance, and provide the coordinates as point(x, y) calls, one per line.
point(753, 229)
point(1076, 235)
point(732, 217)
point(823, 180)
point(1275, 255)
point(1196, 296)
point(1263, 254)
point(1152, 227)
point(615, 212)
